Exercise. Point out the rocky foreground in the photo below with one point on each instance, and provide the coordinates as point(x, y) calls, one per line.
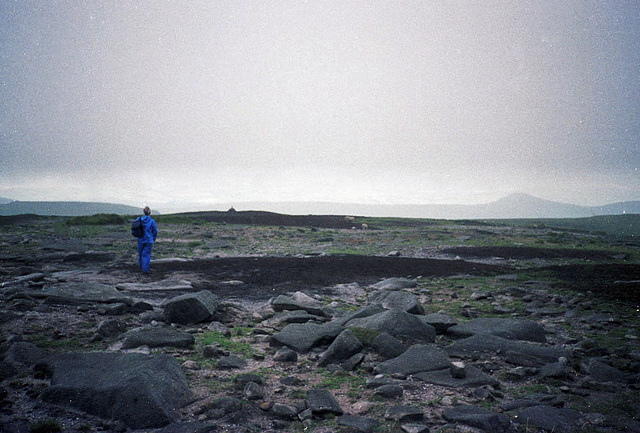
point(88, 350)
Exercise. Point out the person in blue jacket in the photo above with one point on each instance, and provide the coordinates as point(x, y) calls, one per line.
point(146, 241)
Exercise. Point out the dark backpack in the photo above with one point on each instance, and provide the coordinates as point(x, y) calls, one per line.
point(137, 228)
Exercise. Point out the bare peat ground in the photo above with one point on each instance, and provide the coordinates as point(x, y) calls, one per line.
point(461, 269)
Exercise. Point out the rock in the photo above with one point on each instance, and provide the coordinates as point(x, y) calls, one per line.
point(299, 301)
point(88, 256)
point(353, 362)
point(231, 362)
point(253, 391)
point(394, 284)
point(224, 406)
point(322, 402)
point(302, 337)
point(404, 414)
point(284, 354)
point(360, 424)
point(24, 354)
point(488, 343)
point(191, 308)
point(600, 371)
point(472, 377)
point(343, 347)
point(144, 391)
point(441, 322)
point(388, 346)
point(550, 418)
point(157, 337)
point(397, 323)
point(397, 300)
point(213, 351)
point(416, 359)
point(511, 329)
point(555, 370)
point(458, 370)
point(284, 411)
point(486, 420)
point(156, 286)
point(7, 370)
point(389, 391)
point(74, 293)
point(111, 328)
point(414, 428)
point(367, 311)
point(297, 316)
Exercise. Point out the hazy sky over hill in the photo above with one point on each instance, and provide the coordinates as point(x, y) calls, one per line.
point(379, 101)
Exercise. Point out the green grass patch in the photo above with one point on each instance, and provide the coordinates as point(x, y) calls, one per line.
point(237, 343)
point(96, 220)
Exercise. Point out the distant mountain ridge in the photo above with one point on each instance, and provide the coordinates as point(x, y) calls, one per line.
point(65, 208)
point(514, 206)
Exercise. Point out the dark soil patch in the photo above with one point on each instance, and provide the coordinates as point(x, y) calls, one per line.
point(266, 276)
point(618, 282)
point(528, 253)
point(272, 219)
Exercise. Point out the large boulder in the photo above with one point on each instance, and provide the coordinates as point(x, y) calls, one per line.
point(529, 354)
point(397, 323)
point(303, 337)
point(143, 391)
point(191, 308)
point(511, 329)
point(418, 358)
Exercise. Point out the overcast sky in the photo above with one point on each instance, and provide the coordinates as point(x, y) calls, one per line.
point(369, 101)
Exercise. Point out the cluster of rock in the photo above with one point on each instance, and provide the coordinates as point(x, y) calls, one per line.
point(390, 337)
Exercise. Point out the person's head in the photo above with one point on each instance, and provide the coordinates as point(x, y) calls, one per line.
point(147, 210)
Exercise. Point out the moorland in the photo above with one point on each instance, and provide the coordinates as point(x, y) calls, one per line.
point(575, 280)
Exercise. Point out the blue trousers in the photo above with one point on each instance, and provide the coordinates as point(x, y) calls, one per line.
point(144, 256)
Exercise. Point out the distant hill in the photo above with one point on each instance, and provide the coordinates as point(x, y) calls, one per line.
point(65, 208)
point(513, 206)
point(5, 200)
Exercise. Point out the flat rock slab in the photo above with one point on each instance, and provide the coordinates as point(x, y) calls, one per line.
point(474, 377)
point(79, 293)
point(551, 418)
point(418, 358)
point(484, 419)
point(157, 337)
point(511, 329)
point(158, 286)
point(303, 337)
point(144, 391)
point(534, 354)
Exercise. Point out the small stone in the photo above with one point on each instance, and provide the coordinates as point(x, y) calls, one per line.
point(457, 370)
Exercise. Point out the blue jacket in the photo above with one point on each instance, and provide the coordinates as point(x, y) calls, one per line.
point(150, 230)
